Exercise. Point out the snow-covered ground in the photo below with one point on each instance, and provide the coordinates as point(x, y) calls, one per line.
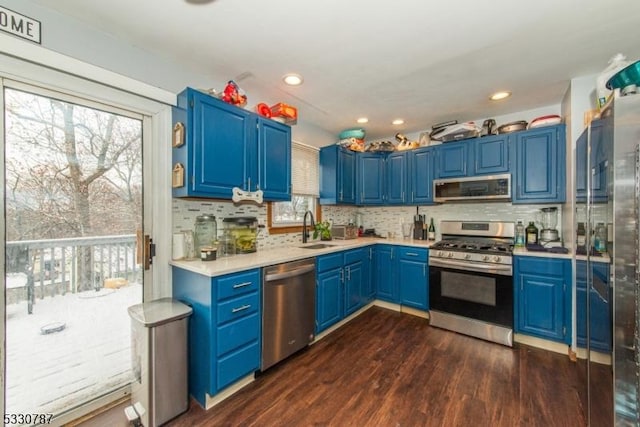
point(48, 373)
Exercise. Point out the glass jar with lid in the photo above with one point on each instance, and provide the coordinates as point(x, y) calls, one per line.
point(205, 231)
point(245, 232)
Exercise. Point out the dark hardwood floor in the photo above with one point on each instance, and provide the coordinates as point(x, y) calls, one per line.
point(390, 369)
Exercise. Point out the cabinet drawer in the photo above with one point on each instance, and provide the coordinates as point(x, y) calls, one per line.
point(237, 284)
point(541, 266)
point(413, 254)
point(237, 307)
point(238, 364)
point(238, 333)
point(354, 255)
point(329, 262)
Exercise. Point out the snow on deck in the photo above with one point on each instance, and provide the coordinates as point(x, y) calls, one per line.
point(49, 373)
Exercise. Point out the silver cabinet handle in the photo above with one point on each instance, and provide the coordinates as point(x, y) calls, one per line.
point(411, 254)
point(342, 275)
point(348, 273)
point(241, 285)
point(241, 308)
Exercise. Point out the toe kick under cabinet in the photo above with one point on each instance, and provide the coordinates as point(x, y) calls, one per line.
point(224, 331)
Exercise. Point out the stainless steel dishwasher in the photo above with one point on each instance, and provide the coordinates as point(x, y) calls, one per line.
point(288, 309)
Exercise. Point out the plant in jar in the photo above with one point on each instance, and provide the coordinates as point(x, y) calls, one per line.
point(322, 229)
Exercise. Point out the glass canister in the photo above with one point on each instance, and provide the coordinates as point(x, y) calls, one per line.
point(226, 244)
point(245, 231)
point(206, 231)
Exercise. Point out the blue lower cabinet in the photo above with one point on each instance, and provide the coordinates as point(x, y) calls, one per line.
point(543, 298)
point(224, 329)
point(600, 312)
point(384, 273)
point(329, 306)
point(413, 277)
point(402, 275)
point(341, 286)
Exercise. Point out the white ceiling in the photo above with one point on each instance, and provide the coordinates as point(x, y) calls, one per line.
point(423, 61)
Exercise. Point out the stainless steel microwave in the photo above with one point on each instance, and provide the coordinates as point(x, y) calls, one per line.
point(491, 187)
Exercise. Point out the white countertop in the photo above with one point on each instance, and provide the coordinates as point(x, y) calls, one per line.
point(263, 258)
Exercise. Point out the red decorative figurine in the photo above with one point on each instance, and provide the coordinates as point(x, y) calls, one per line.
point(233, 96)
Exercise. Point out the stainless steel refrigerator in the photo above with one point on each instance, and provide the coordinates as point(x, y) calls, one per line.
point(608, 195)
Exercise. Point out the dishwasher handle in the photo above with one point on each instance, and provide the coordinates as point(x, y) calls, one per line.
point(291, 273)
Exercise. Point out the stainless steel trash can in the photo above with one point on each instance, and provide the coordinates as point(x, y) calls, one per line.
point(159, 353)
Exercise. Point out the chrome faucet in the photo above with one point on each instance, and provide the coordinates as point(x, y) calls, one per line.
point(305, 235)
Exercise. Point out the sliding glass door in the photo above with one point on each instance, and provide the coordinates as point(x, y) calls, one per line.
point(73, 201)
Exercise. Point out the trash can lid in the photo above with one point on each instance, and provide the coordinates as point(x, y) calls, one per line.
point(157, 312)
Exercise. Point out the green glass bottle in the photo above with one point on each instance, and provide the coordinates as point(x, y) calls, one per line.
point(531, 234)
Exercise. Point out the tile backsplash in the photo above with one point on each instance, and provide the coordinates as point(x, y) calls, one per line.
point(384, 220)
point(388, 219)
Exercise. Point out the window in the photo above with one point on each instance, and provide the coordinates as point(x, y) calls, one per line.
point(286, 217)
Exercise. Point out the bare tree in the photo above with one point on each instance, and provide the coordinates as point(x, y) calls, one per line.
point(71, 171)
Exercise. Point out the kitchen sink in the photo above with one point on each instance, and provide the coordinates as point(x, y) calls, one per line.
point(317, 246)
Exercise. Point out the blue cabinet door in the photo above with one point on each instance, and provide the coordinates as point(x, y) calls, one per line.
point(413, 280)
point(337, 176)
point(216, 152)
point(452, 159)
point(274, 160)
point(421, 165)
point(396, 168)
point(370, 182)
point(354, 298)
point(490, 154)
point(385, 277)
point(329, 299)
point(543, 304)
point(347, 176)
point(540, 175)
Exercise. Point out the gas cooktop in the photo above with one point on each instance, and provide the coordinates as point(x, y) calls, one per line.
point(479, 246)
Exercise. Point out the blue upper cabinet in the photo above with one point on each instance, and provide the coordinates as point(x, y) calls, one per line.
point(453, 159)
point(397, 175)
point(274, 148)
point(420, 176)
point(225, 147)
point(490, 155)
point(370, 182)
point(540, 165)
point(337, 175)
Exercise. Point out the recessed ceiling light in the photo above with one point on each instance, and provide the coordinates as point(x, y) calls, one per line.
point(397, 122)
point(500, 95)
point(292, 79)
point(362, 120)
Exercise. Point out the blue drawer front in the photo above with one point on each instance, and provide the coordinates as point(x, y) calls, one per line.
point(540, 266)
point(238, 307)
point(354, 255)
point(413, 254)
point(329, 262)
point(236, 365)
point(238, 333)
point(237, 284)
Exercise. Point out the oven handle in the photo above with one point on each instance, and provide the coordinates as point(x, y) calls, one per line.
point(501, 269)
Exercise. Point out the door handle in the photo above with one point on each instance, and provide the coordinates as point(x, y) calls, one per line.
point(145, 249)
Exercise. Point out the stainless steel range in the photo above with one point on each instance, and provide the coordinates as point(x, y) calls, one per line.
point(471, 279)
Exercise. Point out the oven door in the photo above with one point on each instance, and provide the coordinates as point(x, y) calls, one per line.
point(486, 296)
